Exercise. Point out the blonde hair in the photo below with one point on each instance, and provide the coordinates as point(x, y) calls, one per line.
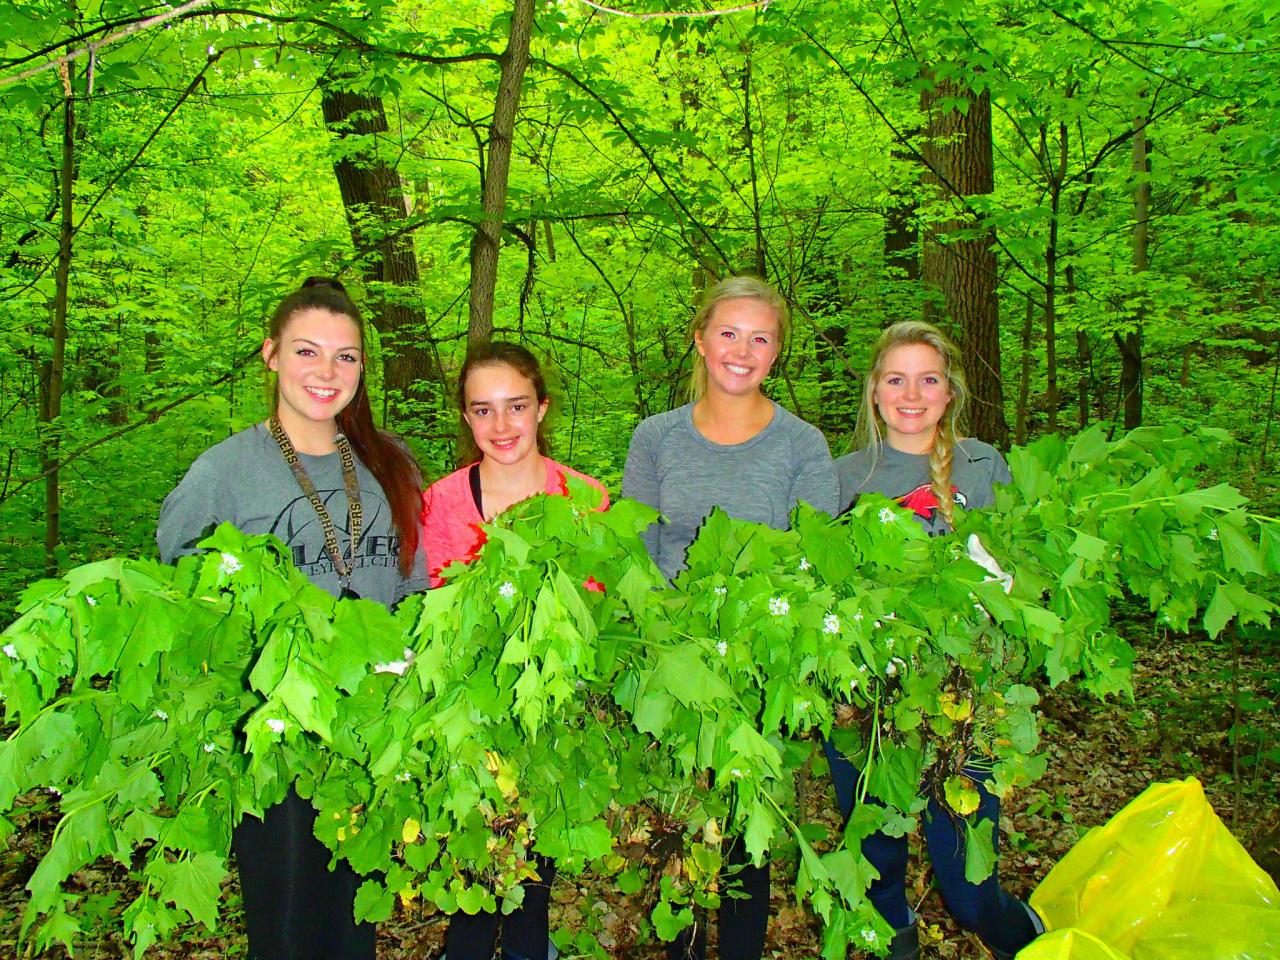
point(869, 431)
point(733, 288)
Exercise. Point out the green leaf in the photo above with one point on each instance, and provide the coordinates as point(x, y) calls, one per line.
point(192, 884)
point(666, 924)
point(1239, 553)
point(682, 673)
point(979, 850)
point(374, 902)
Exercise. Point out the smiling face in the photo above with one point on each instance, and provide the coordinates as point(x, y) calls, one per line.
point(502, 409)
point(318, 361)
point(911, 395)
point(738, 345)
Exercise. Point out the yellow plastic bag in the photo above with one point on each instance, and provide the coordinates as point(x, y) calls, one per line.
point(1069, 944)
point(1163, 880)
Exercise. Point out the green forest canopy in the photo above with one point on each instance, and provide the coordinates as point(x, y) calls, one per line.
point(1084, 193)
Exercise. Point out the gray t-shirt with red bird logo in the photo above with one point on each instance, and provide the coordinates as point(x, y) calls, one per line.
point(975, 469)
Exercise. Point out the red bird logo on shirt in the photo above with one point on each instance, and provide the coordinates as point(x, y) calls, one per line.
point(923, 502)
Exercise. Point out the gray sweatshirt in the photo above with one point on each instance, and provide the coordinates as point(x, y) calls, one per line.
point(679, 472)
point(245, 481)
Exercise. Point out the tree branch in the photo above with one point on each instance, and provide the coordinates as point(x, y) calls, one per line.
point(94, 47)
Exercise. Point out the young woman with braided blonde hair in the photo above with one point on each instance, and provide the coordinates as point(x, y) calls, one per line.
point(910, 449)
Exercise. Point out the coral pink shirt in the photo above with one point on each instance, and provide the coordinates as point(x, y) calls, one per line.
point(451, 522)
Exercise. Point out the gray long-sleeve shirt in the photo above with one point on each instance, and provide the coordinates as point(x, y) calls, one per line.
point(679, 472)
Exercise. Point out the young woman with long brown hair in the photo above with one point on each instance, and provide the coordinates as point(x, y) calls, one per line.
point(344, 497)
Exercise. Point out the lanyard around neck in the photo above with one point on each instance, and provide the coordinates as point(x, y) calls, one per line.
point(355, 513)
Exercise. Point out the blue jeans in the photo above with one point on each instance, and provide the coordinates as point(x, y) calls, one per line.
point(999, 919)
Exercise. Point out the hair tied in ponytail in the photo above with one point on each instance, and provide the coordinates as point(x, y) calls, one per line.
point(333, 282)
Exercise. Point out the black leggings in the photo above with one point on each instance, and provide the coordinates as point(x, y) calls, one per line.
point(743, 919)
point(295, 908)
point(524, 931)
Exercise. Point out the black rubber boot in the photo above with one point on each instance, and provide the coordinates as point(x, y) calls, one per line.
point(1036, 922)
point(905, 944)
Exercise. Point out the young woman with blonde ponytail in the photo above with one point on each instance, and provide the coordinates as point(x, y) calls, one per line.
point(910, 449)
point(730, 447)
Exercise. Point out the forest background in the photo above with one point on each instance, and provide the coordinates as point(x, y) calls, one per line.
point(1083, 193)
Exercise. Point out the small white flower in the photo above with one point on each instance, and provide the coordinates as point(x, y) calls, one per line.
point(805, 564)
point(779, 606)
point(721, 591)
point(892, 669)
point(209, 748)
point(830, 623)
point(229, 565)
point(887, 515)
point(398, 667)
point(857, 617)
point(877, 624)
point(869, 937)
point(161, 715)
point(257, 63)
point(212, 50)
point(737, 772)
point(888, 644)
point(891, 615)
point(275, 725)
point(55, 791)
point(722, 648)
point(507, 590)
point(403, 776)
point(1213, 534)
point(802, 706)
point(11, 651)
point(90, 601)
point(862, 668)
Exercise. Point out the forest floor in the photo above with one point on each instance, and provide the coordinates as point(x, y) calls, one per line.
point(1101, 755)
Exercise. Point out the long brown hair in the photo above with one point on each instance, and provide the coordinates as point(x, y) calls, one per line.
point(869, 431)
point(492, 354)
point(390, 463)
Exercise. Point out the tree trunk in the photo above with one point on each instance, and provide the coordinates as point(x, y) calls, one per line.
point(838, 384)
point(1024, 377)
point(374, 201)
point(1271, 414)
point(1084, 354)
point(52, 370)
point(487, 240)
point(963, 268)
point(761, 262)
point(1130, 343)
point(902, 239)
point(1051, 275)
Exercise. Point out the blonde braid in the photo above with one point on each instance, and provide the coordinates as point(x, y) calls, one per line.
point(940, 458)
